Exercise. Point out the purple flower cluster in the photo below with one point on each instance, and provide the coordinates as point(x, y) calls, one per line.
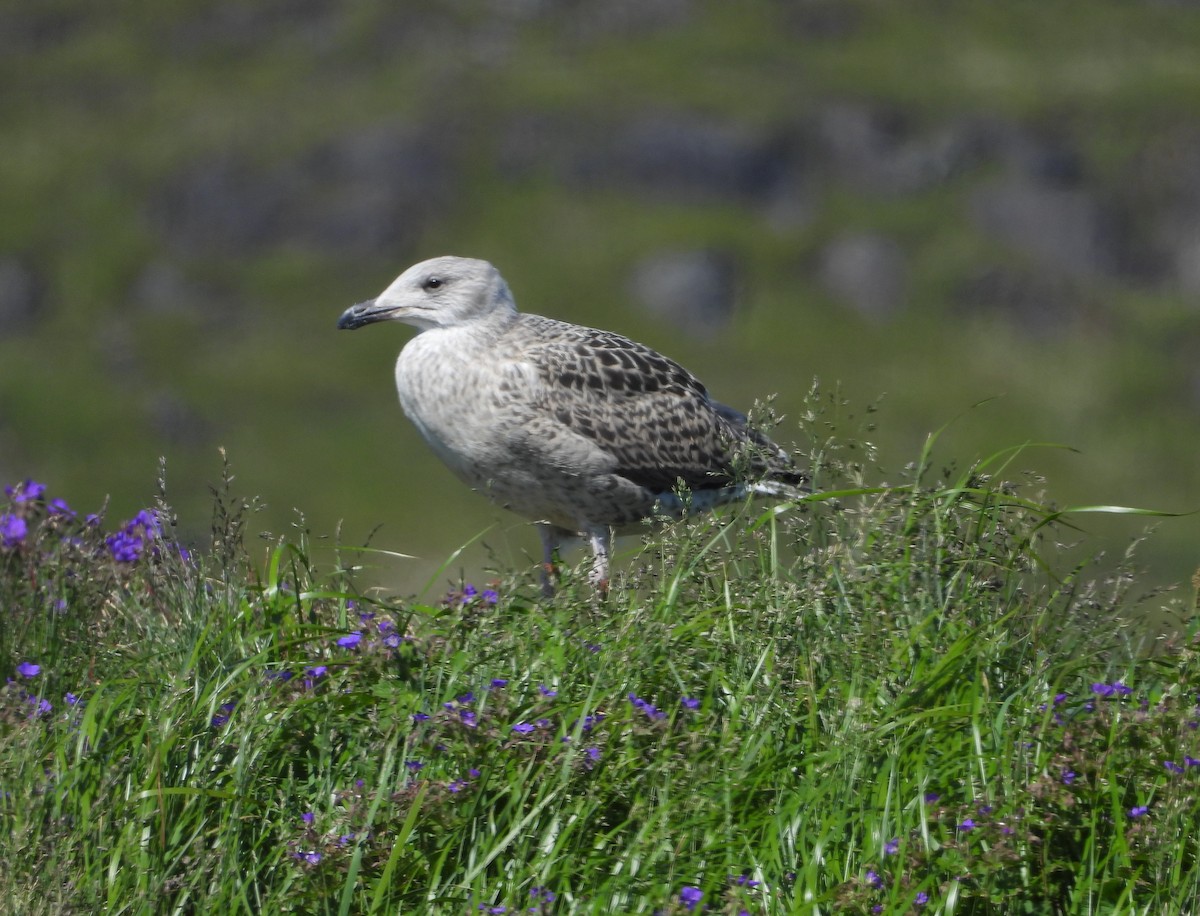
point(647, 708)
point(40, 705)
point(12, 531)
point(24, 498)
point(540, 899)
point(469, 594)
point(128, 543)
point(690, 897)
point(26, 491)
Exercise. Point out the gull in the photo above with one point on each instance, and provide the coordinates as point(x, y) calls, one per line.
point(583, 431)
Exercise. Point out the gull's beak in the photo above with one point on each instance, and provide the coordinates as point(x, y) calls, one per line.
point(364, 313)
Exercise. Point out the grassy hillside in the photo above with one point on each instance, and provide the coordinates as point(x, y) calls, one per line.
point(190, 196)
point(874, 702)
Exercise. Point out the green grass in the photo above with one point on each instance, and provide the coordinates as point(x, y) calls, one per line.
point(106, 112)
point(880, 700)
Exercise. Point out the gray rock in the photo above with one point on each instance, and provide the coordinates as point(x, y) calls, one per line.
point(587, 22)
point(29, 28)
point(688, 157)
point(376, 189)
point(878, 150)
point(1066, 230)
point(695, 290)
point(244, 29)
point(671, 155)
point(223, 205)
point(866, 271)
point(1161, 188)
point(161, 288)
point(22, 294)
point(370, 192)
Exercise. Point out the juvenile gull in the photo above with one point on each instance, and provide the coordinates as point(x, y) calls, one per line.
point(584, 431)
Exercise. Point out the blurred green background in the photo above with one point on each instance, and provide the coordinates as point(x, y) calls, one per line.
point(925, 204)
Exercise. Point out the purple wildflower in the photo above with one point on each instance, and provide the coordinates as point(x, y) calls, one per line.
point(1190, 761)
point(546, 691)
point(873, 878)
point(931, 797)
point(1138, 811)
point(967, 824)
point(646, 707)
point(307, 817)
point(414, 766)
point(691, 703)
point(41, 706)
point(351, 640)
point(312, 858)
point(124, 547)
point(498, 682)
point(392, 640)
point(921, 899)
point(473, 773)
point(523, 728)
point(12, 531)
point(468, 718)
point(892, 846)
point(71, 699)
point(420, 717)
point(690, 897)
point(58, 506)
point(1068, 777)
point(28, 669)
point(1172, 766)
point(490, 596)
point(24, 492)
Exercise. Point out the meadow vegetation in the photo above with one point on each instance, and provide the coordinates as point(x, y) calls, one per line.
point(879, 700)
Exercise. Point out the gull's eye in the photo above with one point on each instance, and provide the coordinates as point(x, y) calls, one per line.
point(431, 283)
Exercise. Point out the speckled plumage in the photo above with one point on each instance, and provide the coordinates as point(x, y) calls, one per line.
point(582, 430)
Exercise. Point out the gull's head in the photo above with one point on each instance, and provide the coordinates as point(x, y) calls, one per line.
point(438, 293)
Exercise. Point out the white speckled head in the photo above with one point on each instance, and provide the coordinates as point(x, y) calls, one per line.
point(442, 292)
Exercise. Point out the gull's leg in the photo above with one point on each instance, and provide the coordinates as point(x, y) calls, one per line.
point(552, 537)
point(600, 537)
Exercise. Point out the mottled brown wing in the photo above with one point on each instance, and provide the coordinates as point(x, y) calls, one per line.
point(653, 416)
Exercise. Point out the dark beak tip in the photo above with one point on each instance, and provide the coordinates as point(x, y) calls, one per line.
point(357, 315)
